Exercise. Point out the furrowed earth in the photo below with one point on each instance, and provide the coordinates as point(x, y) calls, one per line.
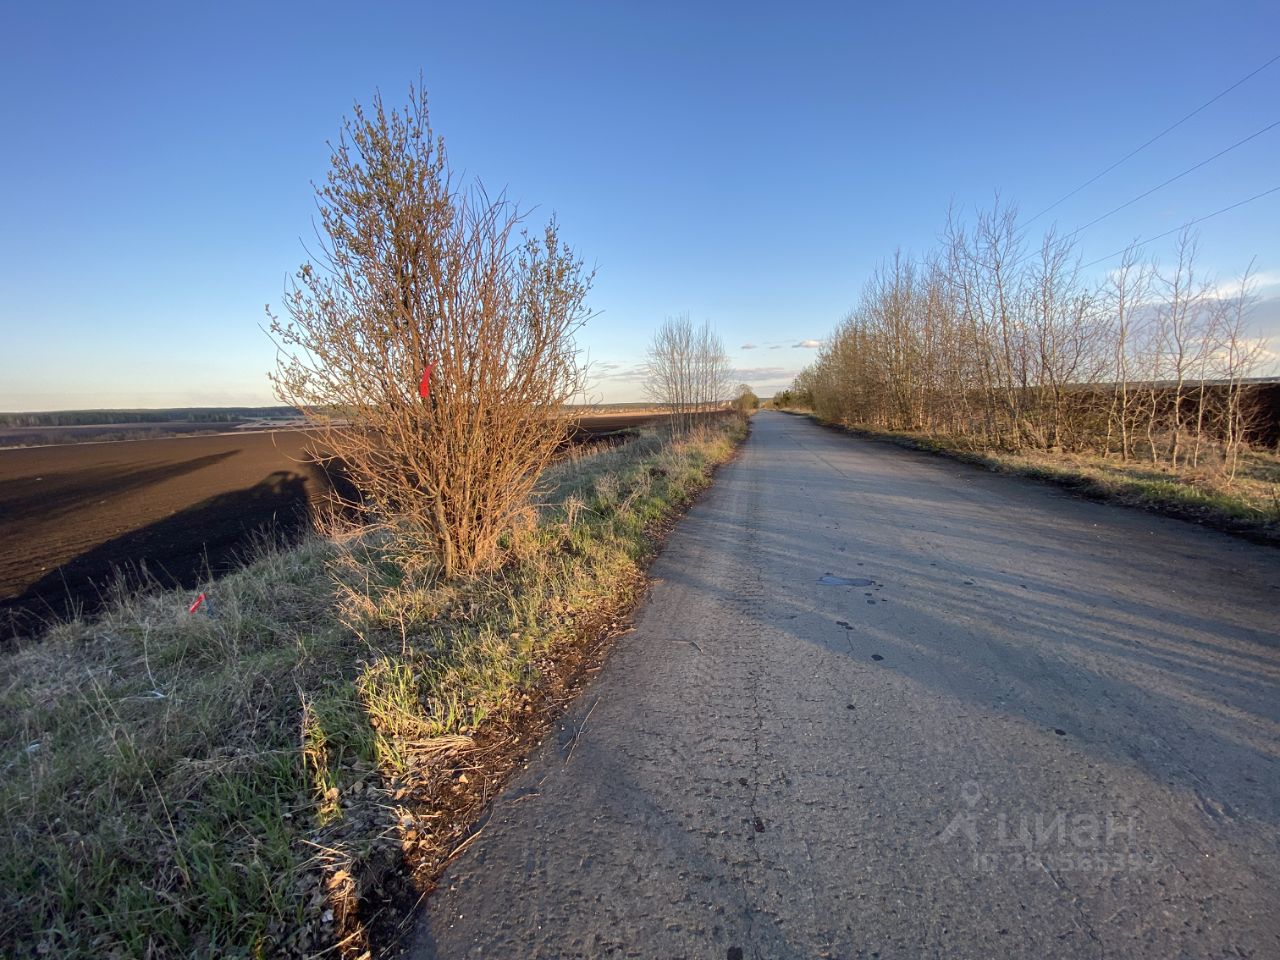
point(77, 518)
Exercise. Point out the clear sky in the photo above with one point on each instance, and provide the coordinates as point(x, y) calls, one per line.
point(748, 163)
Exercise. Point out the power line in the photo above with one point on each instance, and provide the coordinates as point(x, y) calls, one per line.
point(1132, 153)
point(1189, 223)
point(1146, 193)
point(1178, 176)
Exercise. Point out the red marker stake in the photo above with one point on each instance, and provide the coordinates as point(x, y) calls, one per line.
point(196, 606)
point(424, 388)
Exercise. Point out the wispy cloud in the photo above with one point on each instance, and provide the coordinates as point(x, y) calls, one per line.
point(808, 344)
point(1264, 282)
point(763, 373)
point(619, 372)
point(747, 346)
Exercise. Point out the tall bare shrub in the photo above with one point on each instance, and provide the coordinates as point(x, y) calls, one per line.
point(415, 270)
point(745, 399)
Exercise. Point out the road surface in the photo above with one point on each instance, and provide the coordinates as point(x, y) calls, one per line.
point(1044, 728)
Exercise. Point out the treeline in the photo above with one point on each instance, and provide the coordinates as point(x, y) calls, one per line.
point(1004, 343)
point(85, 418)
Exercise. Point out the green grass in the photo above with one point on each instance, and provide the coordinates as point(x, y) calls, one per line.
point(235, 784)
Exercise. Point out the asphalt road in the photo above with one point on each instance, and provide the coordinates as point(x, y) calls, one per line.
point(1045, 728)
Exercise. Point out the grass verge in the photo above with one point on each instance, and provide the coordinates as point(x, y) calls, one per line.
point(285, 771)
point(1249, 506)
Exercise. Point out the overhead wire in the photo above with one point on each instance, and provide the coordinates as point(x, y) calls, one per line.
point(1169, 129)
point(1189, 223)
point(1175, 177)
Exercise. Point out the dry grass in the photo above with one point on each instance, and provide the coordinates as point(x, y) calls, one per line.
point(1249, 501)
point(240, 782)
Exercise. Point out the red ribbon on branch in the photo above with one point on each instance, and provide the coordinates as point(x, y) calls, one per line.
point(424, 388)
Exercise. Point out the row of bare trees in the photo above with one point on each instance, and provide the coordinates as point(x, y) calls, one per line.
point(687, 370)
point(1005, 344)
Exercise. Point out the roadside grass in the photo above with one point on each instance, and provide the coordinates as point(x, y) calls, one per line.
point(1248, 505)
point(258, 779)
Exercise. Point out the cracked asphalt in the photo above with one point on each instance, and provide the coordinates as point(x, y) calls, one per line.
point(1045, 728)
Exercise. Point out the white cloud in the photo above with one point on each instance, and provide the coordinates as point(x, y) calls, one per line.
point(747, 346)
point(808, 344)
point(1263, 321)
point(621, 373)
point(1264, 282)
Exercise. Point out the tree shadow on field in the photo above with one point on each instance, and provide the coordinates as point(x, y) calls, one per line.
point(208, 539)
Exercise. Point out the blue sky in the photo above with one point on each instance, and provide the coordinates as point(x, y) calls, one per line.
point(747, 163)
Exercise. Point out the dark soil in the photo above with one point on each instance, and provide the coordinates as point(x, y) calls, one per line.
point(77, 518)
point(96, 433)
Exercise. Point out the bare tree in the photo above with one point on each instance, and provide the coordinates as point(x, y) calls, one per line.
point(1002, 345)
point(1182, 339)
point(421, 286)
point(714, 377)
point(1238, 358)
point(687, 370)
point(1126, 293)
point(669, 370)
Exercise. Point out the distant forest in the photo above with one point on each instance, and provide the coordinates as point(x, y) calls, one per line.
point(83, 418)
